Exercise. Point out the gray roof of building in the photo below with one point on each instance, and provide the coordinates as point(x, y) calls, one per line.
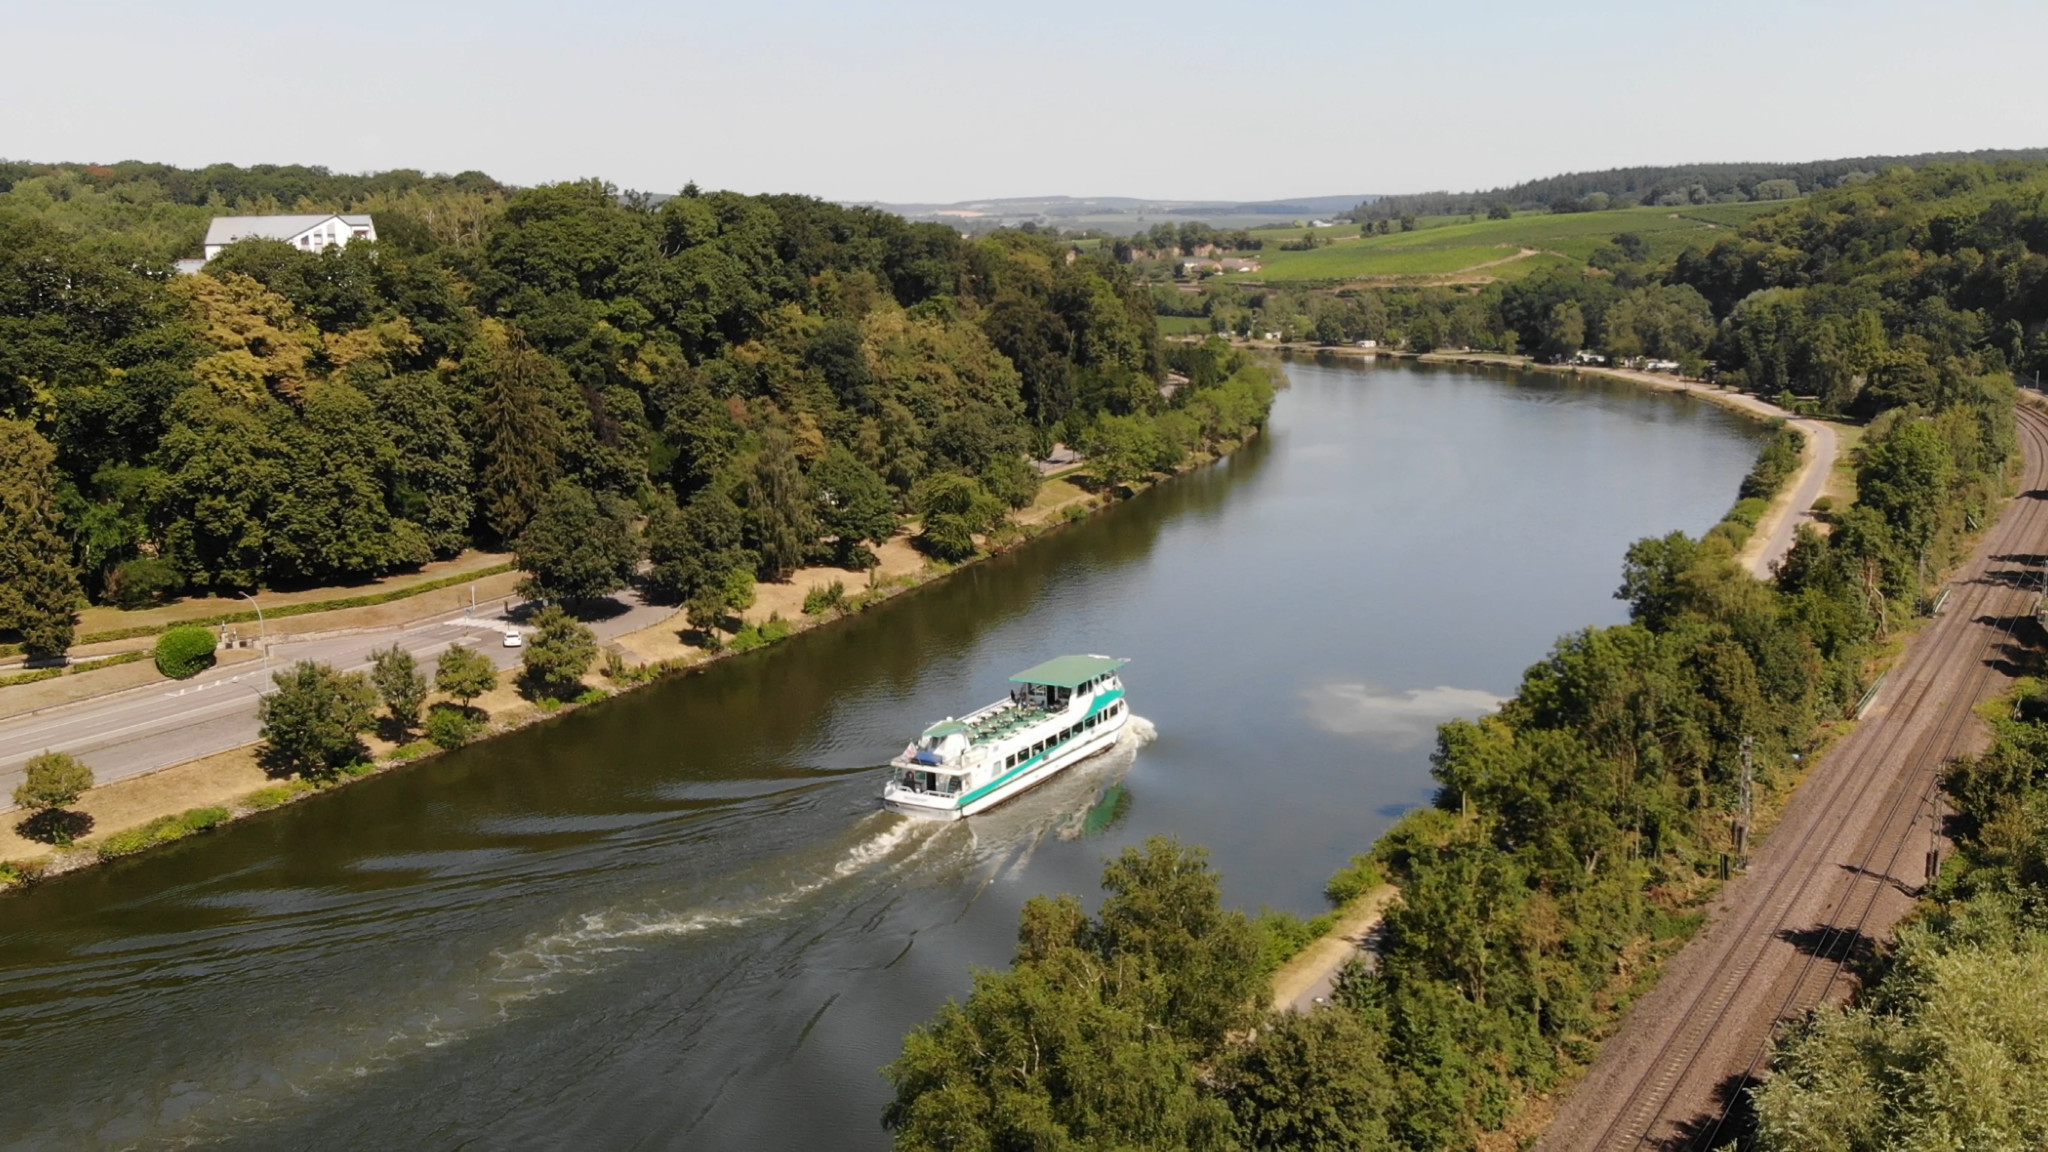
point(228, 229)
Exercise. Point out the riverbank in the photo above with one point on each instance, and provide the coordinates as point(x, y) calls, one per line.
point(197, 795)
point(1793, 504)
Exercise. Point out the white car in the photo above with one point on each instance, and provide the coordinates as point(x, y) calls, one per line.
point(512, 638)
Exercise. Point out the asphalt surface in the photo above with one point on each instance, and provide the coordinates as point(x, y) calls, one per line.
point(144, 729)
point(1844, 864)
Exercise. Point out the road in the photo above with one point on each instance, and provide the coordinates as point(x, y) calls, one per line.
point(144, 729)
point(1841, 868)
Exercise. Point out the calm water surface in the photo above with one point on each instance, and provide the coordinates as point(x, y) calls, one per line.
point(678, 920)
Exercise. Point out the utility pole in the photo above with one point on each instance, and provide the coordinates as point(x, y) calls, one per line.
point(1934, 838)
point(1745, 803)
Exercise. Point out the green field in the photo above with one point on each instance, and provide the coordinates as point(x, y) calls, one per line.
point(1458, 246)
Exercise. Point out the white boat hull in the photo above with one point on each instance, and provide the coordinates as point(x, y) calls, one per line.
point(931, 807)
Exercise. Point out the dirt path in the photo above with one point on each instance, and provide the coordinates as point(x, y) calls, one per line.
point(1842, 867)
point(1793, 504)
point(1306, 980)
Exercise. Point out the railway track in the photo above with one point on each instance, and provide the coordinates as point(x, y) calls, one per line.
point(1828, 877)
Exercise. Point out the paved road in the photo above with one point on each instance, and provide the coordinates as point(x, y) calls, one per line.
point(144, 729)
point(1842, 867)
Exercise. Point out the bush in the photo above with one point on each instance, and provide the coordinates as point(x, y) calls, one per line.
point(185, 651)
point(14, 872)
point(760, 635)
point(277, 794)
point(450, 727)
point(1282, 936)
point(140, 583)
point(162, 830)
point(819, 601)
point(1353, 880)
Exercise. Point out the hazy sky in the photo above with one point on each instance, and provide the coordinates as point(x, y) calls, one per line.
point(917, 100)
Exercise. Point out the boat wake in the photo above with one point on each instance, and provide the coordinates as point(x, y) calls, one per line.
point(879, 848)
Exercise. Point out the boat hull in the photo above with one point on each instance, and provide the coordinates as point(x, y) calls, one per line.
point(928, 807)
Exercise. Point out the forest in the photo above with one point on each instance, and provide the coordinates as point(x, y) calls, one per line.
point(1673, 185)
point(1882, 293)
point(1578, 832)
point(726, 386)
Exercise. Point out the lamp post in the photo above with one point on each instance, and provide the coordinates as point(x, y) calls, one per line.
point(262, 632)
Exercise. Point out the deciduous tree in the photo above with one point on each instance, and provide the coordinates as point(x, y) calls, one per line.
point(312, 723)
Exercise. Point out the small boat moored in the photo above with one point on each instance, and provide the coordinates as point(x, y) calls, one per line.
point(1061, 712)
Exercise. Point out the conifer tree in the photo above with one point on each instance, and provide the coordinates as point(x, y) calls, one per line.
point(521, 434)
point(38, 586)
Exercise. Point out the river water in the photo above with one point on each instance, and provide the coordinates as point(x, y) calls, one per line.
point(678, 920)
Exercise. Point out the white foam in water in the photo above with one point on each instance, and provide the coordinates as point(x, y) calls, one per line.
point(546, 962)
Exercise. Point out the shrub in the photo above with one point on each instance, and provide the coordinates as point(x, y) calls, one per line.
point(1353, 880)
point(821, 600)
point(277, 794)
point(162, 830)
point(14, 872)
point(405, 753)
point(185, 651)
point(760, 635)
point(1282, 935)
point(450, 727)
point(140, 583)
point(591, 696)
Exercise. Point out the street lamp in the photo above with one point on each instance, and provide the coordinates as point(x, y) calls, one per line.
point(262, 632)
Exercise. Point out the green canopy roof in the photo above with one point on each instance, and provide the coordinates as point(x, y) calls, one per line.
point(945, 728)
point(1069, 671)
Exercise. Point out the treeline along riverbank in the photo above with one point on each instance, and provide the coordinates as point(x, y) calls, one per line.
point(1577, 832)
point(1856, 299)
point(730, 386)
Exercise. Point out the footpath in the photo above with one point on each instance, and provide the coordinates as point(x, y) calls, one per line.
point(1307, 979)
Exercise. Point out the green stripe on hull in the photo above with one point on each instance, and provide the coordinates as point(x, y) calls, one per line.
point(1101, 702)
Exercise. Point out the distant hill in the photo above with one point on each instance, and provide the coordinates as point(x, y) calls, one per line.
point(1670, 185)
point(1121, 214)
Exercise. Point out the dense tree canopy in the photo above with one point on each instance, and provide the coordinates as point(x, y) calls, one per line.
point(500, 362)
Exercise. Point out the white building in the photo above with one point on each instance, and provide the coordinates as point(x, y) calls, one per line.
point(308, 233)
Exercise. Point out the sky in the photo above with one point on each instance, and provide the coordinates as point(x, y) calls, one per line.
point(922, 101)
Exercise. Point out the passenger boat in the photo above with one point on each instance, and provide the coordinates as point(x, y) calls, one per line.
point(1060, 713)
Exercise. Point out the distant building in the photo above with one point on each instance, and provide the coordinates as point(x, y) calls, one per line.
point(309, 233)
point(1368, 343)
point(1233, 264)
point(1199, 267)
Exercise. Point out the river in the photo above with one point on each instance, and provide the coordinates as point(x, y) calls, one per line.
point(677, 919)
